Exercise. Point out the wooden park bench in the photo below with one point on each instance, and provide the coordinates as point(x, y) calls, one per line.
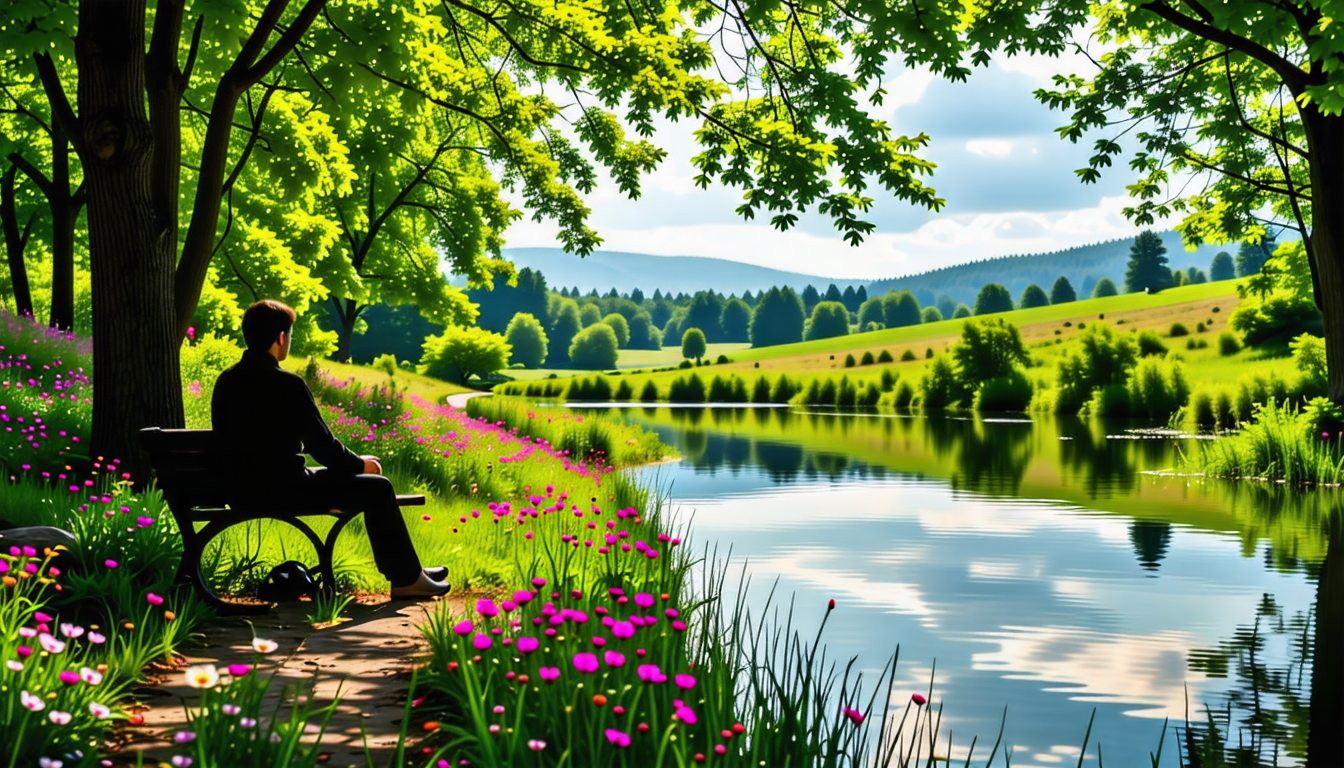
point(186, 474)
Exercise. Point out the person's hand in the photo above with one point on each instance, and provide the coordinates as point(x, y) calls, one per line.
point(372, 466)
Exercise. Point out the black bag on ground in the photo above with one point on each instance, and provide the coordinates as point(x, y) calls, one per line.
point(287, 582)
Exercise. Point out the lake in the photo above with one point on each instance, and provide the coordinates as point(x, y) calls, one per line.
point(1050, 566)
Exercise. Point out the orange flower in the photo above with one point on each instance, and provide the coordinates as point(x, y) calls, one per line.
point(169, 615)
point(432, 725)
point(600, 700)
point(10, 581)
point(128, 625)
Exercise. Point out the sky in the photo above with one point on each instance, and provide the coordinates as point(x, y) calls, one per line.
point(1008, 180)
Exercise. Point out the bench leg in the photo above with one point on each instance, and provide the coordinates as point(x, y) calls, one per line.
point(189, 570)
point(325, 553)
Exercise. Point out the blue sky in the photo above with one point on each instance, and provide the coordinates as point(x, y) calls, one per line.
point(1008, 180)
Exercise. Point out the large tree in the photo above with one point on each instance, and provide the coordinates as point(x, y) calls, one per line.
point(782, 113)
point(1147, 271)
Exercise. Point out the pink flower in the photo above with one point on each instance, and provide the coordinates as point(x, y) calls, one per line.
point(650, 673)
point(50, 644)
point(585, 662)
point(480, 642)
point(238, 670)
point(623, 629)
point(59, 718)
point(684, 713)
point(614, 659)
point(68, 677)
point(486, 607)
point(853, 714)
point(538, 582)
point(643, 600)
point(549, 673)
point(684, 681)
point(154, 599)
point(919, 699)
point(90, 676)
point(528, 644)
point(522, 597)
point(619, 738)
point(31, 702)
point(462, 628)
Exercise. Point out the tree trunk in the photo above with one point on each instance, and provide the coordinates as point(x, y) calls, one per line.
point(135, 350)
point(14, 245)
point(347, 314)
point(62, 234)
point(1325, 139)
point(1325, 735)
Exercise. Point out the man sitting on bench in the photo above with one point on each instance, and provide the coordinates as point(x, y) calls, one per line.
point(264, 418)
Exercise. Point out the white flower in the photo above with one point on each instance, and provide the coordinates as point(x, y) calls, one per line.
point(96, 638)
point(51, 644)
point(99, 711)
point(71, 631)
point(59, 718)
point(33, 703)
point(90, 676)
point(14, 666)
point(202, 676)
point(49, 762)
point(264, 646)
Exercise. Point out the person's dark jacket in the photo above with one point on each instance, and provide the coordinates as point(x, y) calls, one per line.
point(264, 419)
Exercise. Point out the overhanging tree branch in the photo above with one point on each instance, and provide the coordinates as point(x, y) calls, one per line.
point(1291, 74)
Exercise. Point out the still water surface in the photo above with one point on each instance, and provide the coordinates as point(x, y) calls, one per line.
point(1039, 564)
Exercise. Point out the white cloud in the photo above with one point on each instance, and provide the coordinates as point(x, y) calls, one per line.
point(989, 147)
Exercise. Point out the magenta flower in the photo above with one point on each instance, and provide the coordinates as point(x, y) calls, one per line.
point(462, 628)
point(480, 642)
point(522, 597)
point(238, 670)
point(528, 644)
point(619, 738)
point(486, 607)
point(650, 673)
point(144, 522)
point(684, 681)
point(644, 600)
point(623, 629)
point(549, 673)
point(684, 713)
point(614, 659)
point(585, 662)
point(538, 582)
point(919, 699)
point(853, 714)
point(68, 677)
point(110, 563)
point(154, 599)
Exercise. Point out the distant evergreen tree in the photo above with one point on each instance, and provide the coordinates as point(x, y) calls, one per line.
point(993, 298)
point(1104, 287)
point(1150, 540)
point(660, 310)
point(1195, 276)
point(778, 318)
point(946, 305)
point(871, 312)
point(861, 295)
point(564, 292)
point(528, 340)
point(931, 315)
point(637, 296)
point(961, 311)
point(1148, 271)
point(925, 297)
point(833, 294)
point(704, 313)
point(398, 331)
point(613, 293)
point(810, 298)
point(593, 294)
point(1033, 296)
point(900, 309)
point(1062, 291)
point(1252, 256)
point(850, 299)
point(735, 322)
point(657, 294)
point(747, 297)
point(498, 306)
point(574, 292)
point(1222, 267)
point(565, 325)
point(829, 319)
point(681, 299)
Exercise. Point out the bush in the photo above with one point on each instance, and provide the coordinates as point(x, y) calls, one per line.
point(869, 396)
point(1309, 357)
point(1150, 344)
point(387, 364)
point(1211, 407)
point(596, 388)
point(993, 298)
point(1178, 329)
point(1158, 388)
point(928, 353)
point(961, 311)
point(1103, 358)
point(1275, 320)
point(940, 387)
point(1200, 328)
point(888, 379)
point(1280, 443)
point(1011, 392)
point(1228, 344)
point(720, 390)
point(462, 352)
point(850, 362)
point(1104, 288)
point(621, 326)
point(784, 389)
point(905, 394)
point(1192, 344)
point(867, 359)
point(760, 390)
point(931, 315)
point(624, 392)
point(594, 348)
point(829, 320)
point(846, 394)
point(987, 349)
point(693, 344)
point(908, 356)
point(1033, 296)
point(649, 394)
point(722, 360)
point(686, 390)
point(826, 393)
point(884, 357)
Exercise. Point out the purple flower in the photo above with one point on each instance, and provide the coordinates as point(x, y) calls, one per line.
point(623, 629)
point(619, 738)
point(462, 628)
point(684, 681)
point(528, 644)
point(643, 600)
point(614, 659)
point(650, 673)
point(480, 642)
point(585, 662)
point(486, 607)
point(549, 673)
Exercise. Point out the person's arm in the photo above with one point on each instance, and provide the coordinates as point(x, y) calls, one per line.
point(317, 439)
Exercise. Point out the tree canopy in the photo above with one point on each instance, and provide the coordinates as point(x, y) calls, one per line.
point(1148, 270)
point(993, 298)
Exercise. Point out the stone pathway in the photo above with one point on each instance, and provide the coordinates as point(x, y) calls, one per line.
point(367, 659)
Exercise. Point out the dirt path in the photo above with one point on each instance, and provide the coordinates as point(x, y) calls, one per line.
point(460, 399)
point(368, 659)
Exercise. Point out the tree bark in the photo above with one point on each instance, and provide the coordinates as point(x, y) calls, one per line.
point(62, 234)
point(14, 245)
point(347, 314)
point(1325, 139)
point(135, 351)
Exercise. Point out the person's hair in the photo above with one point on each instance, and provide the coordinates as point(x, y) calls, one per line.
point(265, 320)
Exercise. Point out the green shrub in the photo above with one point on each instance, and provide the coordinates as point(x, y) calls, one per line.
point(1110, 401)
point(784, 389)
point(1200, 328)
point(596, 388)
point(1196, 344)
point(940, 387)
point(1150, 344)
point(760, 390)
point(827, 393)
point(1280, 442)
point(649, 394)
point(624, 392)
point(527, 340)
point(686, 390)
point(928, 353)
point(1157, 388)
point(1228, 344)
point(1256, 389)
point(387, 364)
point(888, 379)
point(739, 394)
point(727, 389)
point(1011, 392)
point(595, 347)
point(908, 355)
point(869, 396)
point(884, 357)
point(905, 394)
point(867, 359)
point(1178, 329)
point(850, 362)
point(722, 360)
point(846, 394)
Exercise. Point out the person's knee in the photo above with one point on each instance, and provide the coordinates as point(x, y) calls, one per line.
point(376, 487)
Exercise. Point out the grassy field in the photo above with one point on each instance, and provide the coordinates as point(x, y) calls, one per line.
point(413, 384)
point(1046, 331)
point(634, 359)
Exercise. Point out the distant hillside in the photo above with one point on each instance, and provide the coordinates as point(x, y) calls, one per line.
point(605, 270)
point(1084, 266)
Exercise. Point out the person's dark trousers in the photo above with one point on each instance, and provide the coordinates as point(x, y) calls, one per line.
point(374, 496)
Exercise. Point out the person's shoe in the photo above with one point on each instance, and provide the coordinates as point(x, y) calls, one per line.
point(437, 573)
point(423, 587)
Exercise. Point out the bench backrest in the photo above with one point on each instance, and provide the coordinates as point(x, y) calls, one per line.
point(184, 461)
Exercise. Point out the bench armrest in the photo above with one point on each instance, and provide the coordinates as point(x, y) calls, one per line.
point(410, 500)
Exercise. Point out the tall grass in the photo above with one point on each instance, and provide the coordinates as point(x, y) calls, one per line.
point(588, 437)
point(1281, 443)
